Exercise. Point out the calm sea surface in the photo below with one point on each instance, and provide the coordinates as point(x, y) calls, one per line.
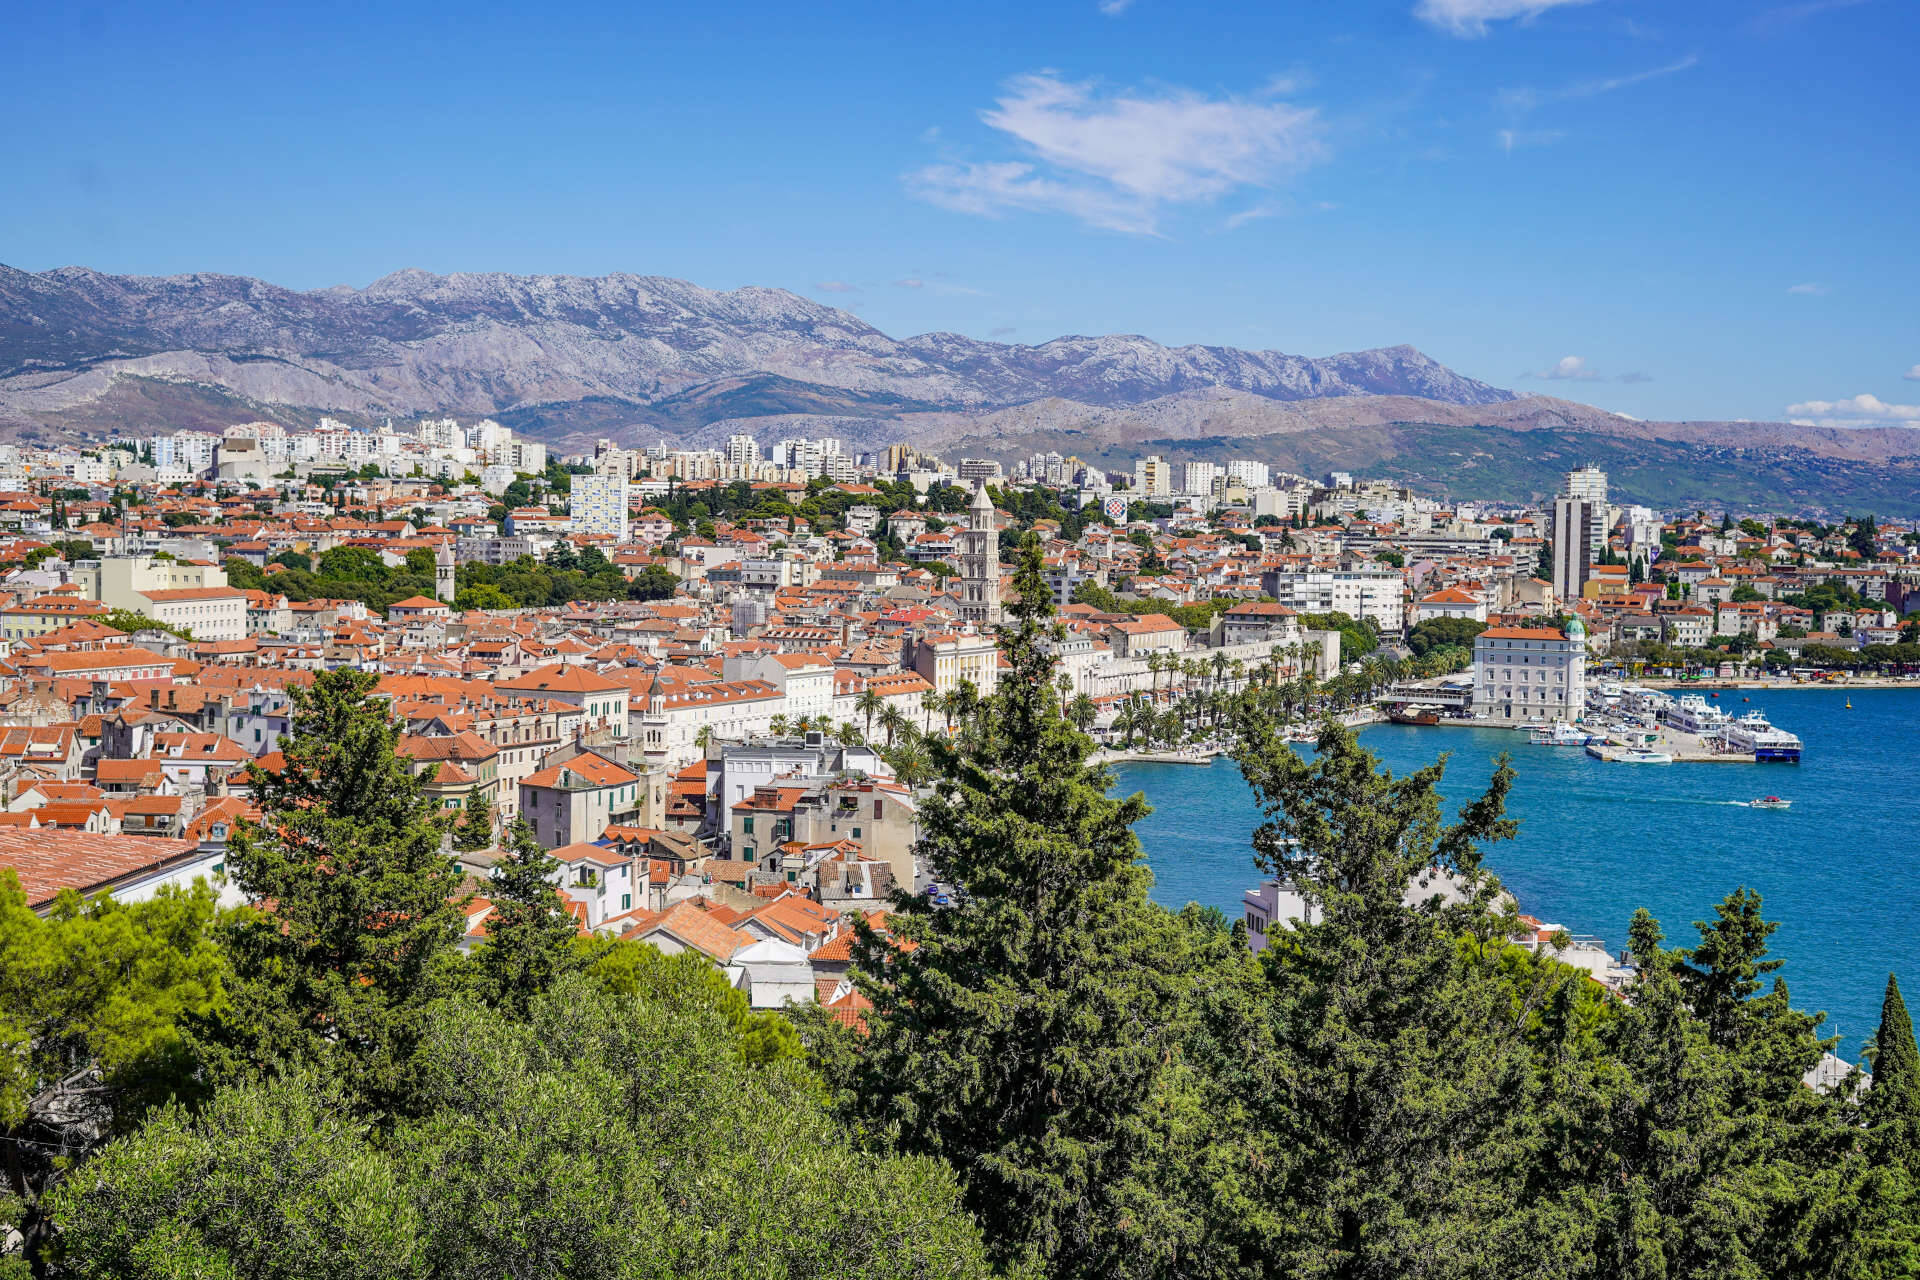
point(1840, 870)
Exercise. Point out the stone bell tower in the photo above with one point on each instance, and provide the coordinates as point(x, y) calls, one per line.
point(443, 583)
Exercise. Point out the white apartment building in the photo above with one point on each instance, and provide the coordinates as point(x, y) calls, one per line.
point(195, 596)
point(1250, 474)
point(1377, 592)
point(743, 451)
point(1152, 476)
point(1531, 673)
point(598, 504)
point(1196, 479)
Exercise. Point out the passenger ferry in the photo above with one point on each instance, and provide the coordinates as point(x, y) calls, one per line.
point(1694, 714)
point(1752, 732)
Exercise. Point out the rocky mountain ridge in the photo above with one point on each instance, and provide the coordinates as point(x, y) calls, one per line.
point(414, 343)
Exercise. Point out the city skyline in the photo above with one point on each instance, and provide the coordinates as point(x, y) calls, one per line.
point(1673, 215)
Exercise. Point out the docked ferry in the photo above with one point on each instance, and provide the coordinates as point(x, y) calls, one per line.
point(1769, 745)
point(1694, 714)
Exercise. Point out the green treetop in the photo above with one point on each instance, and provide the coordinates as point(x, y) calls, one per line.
point(360, 908)
point(1023, 1035)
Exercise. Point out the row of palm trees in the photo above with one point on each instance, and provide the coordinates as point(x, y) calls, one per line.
point(1283, 688)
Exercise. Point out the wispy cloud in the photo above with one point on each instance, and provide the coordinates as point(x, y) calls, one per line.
point(1780, 17)
point(1523, 100)
point(1236, 221)
point(836, 286)
point(1002, 331)
point(1474, 18)
point(1913, 374)
point(1119, 160)
point(1809, 289)
point(910, 282)
point(1634, 376)
point(1854, 411)
point(1114, 8)
point(1511, 140)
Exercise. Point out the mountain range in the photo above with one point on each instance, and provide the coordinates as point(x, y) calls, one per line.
point(570, 359)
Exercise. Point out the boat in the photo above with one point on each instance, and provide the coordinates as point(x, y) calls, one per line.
point(1415, 713)
point(1642, 756)
point(1558, 734)
point(1752, 733)
point(1769, 802)
point(1693, 714)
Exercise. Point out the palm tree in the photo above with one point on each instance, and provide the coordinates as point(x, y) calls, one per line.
point(929, 707)
point(868, 704)
point(703, 738)
point(1220, 663)
point(894, 721)
point(1082, 713)
point(778, 726)
point(1155, 665)
point(911, 763)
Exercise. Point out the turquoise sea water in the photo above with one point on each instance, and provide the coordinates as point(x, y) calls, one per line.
point(1840, 870)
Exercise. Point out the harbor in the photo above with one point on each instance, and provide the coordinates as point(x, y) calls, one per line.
point(1597, 840)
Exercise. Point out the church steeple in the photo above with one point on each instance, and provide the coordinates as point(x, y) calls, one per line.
point(443, 575)
point(980, 561)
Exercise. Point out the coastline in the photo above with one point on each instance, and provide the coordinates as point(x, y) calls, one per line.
point(1357, 719)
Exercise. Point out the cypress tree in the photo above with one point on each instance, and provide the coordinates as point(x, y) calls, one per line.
point(359, 907)
point(1893, 1103)
point(1020, 1033)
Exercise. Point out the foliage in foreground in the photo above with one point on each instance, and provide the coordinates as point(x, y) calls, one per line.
point(603, 1135)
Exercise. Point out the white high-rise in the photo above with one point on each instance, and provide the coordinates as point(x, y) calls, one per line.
point(598, 504)
point(1579, 530)
point(743, 451)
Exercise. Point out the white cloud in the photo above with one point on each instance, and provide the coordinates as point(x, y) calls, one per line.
point(1119, 160)
point(1471, 17)
point(1854, 411)
point(1809, 289)
point(1913, 374)
point(910, 282)
point(1114, 8)
point(836, 286)
point(1567, 368)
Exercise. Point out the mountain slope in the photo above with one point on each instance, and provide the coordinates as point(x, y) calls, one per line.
point(416, 343)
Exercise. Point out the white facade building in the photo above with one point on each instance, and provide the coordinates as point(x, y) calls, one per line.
point(1531, 673)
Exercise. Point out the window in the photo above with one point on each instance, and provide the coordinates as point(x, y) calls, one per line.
point(856, 833)
point(748, 825)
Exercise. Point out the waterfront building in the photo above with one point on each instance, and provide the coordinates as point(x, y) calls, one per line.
point(1531, 673)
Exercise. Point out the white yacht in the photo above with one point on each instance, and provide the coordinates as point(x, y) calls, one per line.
point(1694, 714)
point(1769, 745)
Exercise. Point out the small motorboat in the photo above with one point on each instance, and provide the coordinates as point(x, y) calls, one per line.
point(1642, 756)
point(1769, 802)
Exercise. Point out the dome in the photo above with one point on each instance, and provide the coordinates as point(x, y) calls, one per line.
point(1576, 629)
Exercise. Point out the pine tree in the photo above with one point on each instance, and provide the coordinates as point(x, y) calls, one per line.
point(530, 934)
point(474, 831)
point(359, 907)
point(1024, 1032)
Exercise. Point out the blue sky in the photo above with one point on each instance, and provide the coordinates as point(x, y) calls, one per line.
point(1677, 209)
